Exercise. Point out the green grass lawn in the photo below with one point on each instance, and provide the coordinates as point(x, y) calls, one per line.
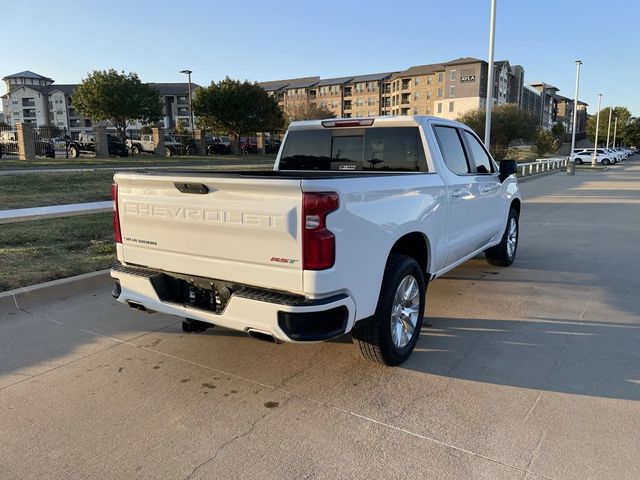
point(138, 161)
point(44, 189)
point(43, 250)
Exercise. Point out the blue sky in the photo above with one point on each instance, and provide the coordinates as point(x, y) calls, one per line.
point(261, 40)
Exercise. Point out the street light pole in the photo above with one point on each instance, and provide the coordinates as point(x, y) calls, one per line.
point(615, 129)
point(489, 106)
point(609, 127)
point(595, 146)
point(189, 72)
point(571, 170)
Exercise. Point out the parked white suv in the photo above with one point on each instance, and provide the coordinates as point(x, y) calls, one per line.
point(342, 236)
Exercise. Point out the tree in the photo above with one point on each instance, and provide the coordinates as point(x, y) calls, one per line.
point(632, 137)
point(558, 130)
point(545, 141)
point(624, 121)
point(117, 97)
point(307, 111)
point(237, 107)
point(508, 123)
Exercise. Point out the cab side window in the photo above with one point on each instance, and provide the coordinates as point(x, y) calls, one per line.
point(480, 158)
point(452, 150)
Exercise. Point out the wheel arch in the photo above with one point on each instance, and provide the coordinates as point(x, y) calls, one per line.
point(417, 246)
point(516, 204)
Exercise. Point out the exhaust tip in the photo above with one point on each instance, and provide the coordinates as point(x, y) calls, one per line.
point(265, 337)
point(139, 307)
point(117, 290)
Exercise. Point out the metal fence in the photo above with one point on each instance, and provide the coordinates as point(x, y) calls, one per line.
point(8, 142)
point(51, 142)
point(541, 166)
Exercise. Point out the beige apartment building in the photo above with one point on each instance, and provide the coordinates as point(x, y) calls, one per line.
point(443, 89)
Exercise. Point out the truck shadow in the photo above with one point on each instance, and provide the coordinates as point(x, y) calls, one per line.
point(585, 358)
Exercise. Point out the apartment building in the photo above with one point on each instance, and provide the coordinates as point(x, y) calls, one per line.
point(33, 98)
point(443, 89)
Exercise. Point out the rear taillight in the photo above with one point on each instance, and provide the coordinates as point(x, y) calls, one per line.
point(318, 243)
point(116, 217)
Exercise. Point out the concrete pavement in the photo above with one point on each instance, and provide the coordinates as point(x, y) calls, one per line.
point(532, 371)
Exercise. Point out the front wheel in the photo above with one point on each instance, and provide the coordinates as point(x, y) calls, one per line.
point(605, 161)
point(167, 152)
point(391, 334)
point(73, 152)
point(135, 150)
point(504, 253)
point(578, 161)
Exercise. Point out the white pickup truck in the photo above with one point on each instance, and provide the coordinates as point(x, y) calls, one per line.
point(342, 236)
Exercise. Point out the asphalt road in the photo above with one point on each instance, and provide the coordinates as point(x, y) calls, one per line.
point(528, 372)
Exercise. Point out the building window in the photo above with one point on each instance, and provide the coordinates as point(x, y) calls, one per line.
point(452, 91)
point(450, 106)
point(429, 79)
point(415, 111)
point(416, 82)
point(453, 76)
point(416, 95)
point(440, 76)
point(439, 92)
point(440, 107)
point(427, 110)
point(429, 95)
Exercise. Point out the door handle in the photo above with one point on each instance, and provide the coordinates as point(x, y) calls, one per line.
point(457, 192)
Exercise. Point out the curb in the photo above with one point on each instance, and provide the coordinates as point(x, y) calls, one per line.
point(526, 178)
point(60, 287)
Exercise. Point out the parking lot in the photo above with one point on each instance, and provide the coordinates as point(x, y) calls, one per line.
point(527, 372)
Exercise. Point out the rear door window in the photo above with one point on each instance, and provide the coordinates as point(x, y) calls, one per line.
point(391, 149)
point(481, 160)
point(452, 150)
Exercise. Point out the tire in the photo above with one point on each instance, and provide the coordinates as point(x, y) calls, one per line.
point(605, 161)
point(167, 152)
point(373, 337)
point(578, 161)
point(504, 253)
point(135, 150)
point(73, 151)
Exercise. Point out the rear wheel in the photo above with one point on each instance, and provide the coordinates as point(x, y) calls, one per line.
point(504, 253)
point(135, 150)
point(167, 152)
point(578, 161)
point(391, 334)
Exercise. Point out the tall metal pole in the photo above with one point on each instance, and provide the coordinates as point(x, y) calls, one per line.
point(189, 72)
point(594, 162)
point(489, 106)
point(571, 165)
point(615, 129)
point(609, 127)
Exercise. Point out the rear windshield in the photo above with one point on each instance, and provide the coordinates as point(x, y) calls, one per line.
point(390, 149)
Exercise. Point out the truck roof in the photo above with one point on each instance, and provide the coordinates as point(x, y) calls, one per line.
point(384, 121)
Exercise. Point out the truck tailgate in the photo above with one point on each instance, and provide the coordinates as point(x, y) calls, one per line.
point(244, 230)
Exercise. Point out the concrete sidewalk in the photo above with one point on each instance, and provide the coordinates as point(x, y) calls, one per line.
point(529, 372)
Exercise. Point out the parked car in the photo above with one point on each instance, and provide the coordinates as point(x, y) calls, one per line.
point(143, 144)
point(342, 236)
point(272, 145)
point(215, 146)
point(86, 144)
point(173, 146)
point(586, 157)
point(248, 146)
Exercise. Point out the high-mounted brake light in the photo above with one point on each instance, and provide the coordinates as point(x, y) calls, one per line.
point(116, 217)
point(367, 122)
point(318, 243)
